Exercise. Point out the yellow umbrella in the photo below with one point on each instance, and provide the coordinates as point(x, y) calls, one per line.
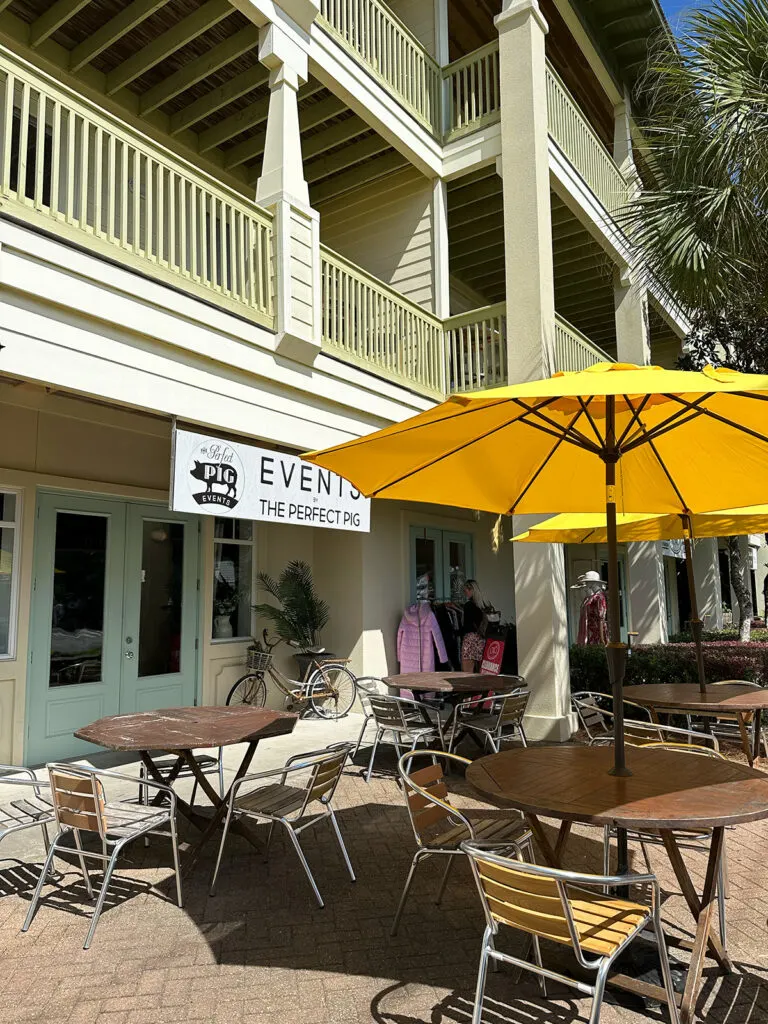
point(612, 437)
point(586, 528)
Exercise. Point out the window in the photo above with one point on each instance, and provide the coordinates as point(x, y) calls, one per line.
point(441, 563)
point(232, 578)
point(9, 540)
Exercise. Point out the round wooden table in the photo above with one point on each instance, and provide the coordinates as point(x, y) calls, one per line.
point(180, 731)
point(668, 790)
point(452, 683)
point(730, 699)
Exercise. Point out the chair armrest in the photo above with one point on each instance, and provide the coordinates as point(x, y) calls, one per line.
point(268, 774)
point(150, 783)
point(18, 769)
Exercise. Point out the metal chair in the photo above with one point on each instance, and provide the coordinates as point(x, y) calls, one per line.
point(368, 686)
point(207, 763)
point(641, 733)
point(501, 721)
point(731, 726)
point(565, 907)
point(31, 810)
point(292, 806)
point(686, 839)
point(407, 720)
point(440, 829)
point(593, 708)
point(80, 805)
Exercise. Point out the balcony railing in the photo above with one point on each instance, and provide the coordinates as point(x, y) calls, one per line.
point(574, 350)
point(390, 52)
point(68, 167)
point(368, 323)
point(473, 94)
point(476, 349)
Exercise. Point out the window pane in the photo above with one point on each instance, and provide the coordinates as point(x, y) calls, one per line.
point(231, 590)
point(7, 507)
point(6, 580)
point(233, 529)
point(162, 566)
point(458, 568)
point(77, 616)
point(426, 565)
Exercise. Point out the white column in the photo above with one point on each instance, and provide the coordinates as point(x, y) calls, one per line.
point(633, 343)
point(542, 635)
point(441, 271)
point(647, 598)
point(282, 189)
point(706, 573)
point(622, 136)
point(525, 178)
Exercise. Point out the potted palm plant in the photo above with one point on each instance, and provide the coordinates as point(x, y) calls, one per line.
point(296, 613)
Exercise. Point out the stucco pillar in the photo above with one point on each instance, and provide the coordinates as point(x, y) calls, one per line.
point(647, 598)
point(622, 136)
point(706, 573)
point(524, 171)
point(283, 191)
point(633, 343)
point(441, 269)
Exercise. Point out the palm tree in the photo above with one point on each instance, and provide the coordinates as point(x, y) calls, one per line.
point(702, 222)
point(299, 614)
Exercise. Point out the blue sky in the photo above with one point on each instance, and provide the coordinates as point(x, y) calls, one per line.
point(673, 7)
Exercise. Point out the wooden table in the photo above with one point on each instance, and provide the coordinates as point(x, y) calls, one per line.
point(729, 699)
point(452, 683)
point(668, 790)
point(180, 731)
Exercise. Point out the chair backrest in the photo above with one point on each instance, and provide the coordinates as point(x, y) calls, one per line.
point(591, 715)
point(641, 733)
point(426, 795)
point(513, 707)
point(397, 712)
point(368, 686)
point(688, 748)
point(78, 798)
point(326, 772)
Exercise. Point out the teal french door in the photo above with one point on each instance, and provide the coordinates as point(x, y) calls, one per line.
point(114, 616)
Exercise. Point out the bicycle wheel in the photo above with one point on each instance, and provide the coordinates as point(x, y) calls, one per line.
point(332, 690)
point(249, 689)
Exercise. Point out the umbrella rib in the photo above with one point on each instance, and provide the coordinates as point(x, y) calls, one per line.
point(668, 475)
point(721, 419)
point(636, 413)
point(535, 476)
point(574, 437)
point(585, 407)
point(662, 428)
point(642, 435)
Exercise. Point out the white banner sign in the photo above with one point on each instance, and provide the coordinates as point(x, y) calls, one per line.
point(222, 478)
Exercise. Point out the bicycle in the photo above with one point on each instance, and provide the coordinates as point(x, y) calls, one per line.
point(328, 687)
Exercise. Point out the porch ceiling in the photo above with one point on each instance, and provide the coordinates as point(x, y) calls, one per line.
point(188, 72)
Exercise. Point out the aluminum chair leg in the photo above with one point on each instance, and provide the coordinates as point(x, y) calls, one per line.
point(418, 856)
point(83, 866)
point(221, 772)
point(224, 833)
point(361, 734)
point(269, 839)
point(606, 850)
point(666, 970)
point(304, 863)
point(482, 973)
point(536, 945)
point(176, 867)
point(344, 853)
point(450, 858)
point(379, 734)
point(523, 737)
point(599, 992)
point(722, 921)
point(40, 883)
point(102, 896)
point(194, 794)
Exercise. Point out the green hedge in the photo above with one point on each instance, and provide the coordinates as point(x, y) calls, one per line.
point(671, 663)
point(757, 634)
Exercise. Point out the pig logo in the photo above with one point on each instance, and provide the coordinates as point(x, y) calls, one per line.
point(218, 467)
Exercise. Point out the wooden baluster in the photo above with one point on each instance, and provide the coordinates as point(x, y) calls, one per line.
point(56, 155)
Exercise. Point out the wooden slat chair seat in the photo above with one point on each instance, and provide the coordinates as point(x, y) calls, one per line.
point(293, 806)
point(31, 809)
point(563, 907)
point(440, 828)
point(80, 805)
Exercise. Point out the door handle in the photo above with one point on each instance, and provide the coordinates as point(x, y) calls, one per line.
point(128, 655)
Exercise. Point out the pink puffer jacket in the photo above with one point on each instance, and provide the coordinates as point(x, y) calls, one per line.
point(417, 638)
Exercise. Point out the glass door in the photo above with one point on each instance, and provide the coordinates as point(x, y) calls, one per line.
point(426, 564)
point(161, 610)
point(75, 641)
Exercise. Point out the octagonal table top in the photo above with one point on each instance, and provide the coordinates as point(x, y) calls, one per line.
point(668, 789)
point(726, 697)
point(186, 728)
point(452, 682)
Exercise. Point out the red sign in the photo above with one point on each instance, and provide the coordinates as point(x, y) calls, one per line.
point(492, 657)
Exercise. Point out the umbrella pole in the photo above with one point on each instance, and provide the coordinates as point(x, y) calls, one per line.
point(697, 626)
point(616, 651)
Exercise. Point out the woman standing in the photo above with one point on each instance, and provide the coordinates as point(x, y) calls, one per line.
point(473, 628)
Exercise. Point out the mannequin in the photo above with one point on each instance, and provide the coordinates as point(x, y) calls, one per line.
point(593, 618)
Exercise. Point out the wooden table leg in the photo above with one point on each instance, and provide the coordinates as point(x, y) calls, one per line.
point(757, 734)
point(745, 741)
point(703, 912)
point(552, 855)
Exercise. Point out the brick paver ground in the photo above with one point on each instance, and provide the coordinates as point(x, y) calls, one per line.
point(261, 950)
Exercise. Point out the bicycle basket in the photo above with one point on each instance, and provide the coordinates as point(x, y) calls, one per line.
point(258, 661)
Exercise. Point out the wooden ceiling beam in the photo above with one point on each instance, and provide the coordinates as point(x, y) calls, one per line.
point(493, 204)
point(336, 135)
point(189, 28)
point(479, 226)
point(114, 29)
point(241, 121)
point(52, 19)
point(310, 117)
point(472, 193)
point(208, 63)
point(341, 183)
point(345, 158)
point(468, 258)
point(214, 100)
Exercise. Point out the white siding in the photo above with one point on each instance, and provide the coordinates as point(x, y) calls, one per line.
point(386, 228)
